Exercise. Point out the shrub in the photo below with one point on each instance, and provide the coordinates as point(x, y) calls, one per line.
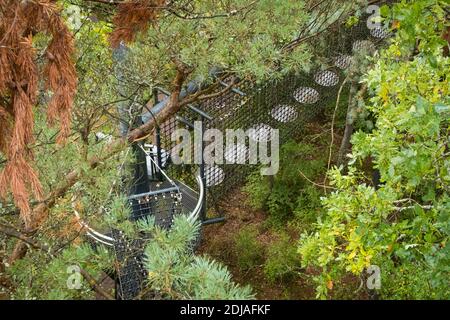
point(402, 226)
point(287, 192)
point(282, 259)
point(308, 207)
point(249, 250)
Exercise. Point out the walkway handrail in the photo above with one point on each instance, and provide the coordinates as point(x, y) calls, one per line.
point(196, 212)
point(106, 240)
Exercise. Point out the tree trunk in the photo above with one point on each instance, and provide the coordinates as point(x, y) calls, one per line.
point(345, 144)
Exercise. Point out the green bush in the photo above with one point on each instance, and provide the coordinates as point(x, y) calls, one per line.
point(249, 251)
point(308, 207)
point(282, 259)
point(287, 194)
point(424, 280)
point(403, 225)
point(258, 189)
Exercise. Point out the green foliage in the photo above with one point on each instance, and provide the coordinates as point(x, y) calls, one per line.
point(249, 250)
point(282, 259)
point(43, 277)
point(288, 193)
point(246, 39)
point(176, 273)
point(118, 217)
point(258, 189)
point(308, 206)
point(417, 280)
point(225, 42)
point(403, 226)
point(290, 200)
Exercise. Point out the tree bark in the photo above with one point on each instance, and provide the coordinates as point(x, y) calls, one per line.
point(345, 144)
point(94, 285)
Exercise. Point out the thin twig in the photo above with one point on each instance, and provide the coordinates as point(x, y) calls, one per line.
point(314, 183)
point(332, 128)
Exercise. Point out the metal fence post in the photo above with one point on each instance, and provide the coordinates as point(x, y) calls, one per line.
point(202, 171)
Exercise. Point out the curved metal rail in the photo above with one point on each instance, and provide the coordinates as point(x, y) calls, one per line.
point(106, 240)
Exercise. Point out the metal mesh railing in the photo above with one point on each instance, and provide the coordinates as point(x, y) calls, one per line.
point(286, 104)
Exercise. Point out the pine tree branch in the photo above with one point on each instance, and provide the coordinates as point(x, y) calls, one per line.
point(203, 95)
point(94, 285)
point(12, 232)
point(40, 212)
point(111, 2)
point(172, 107)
